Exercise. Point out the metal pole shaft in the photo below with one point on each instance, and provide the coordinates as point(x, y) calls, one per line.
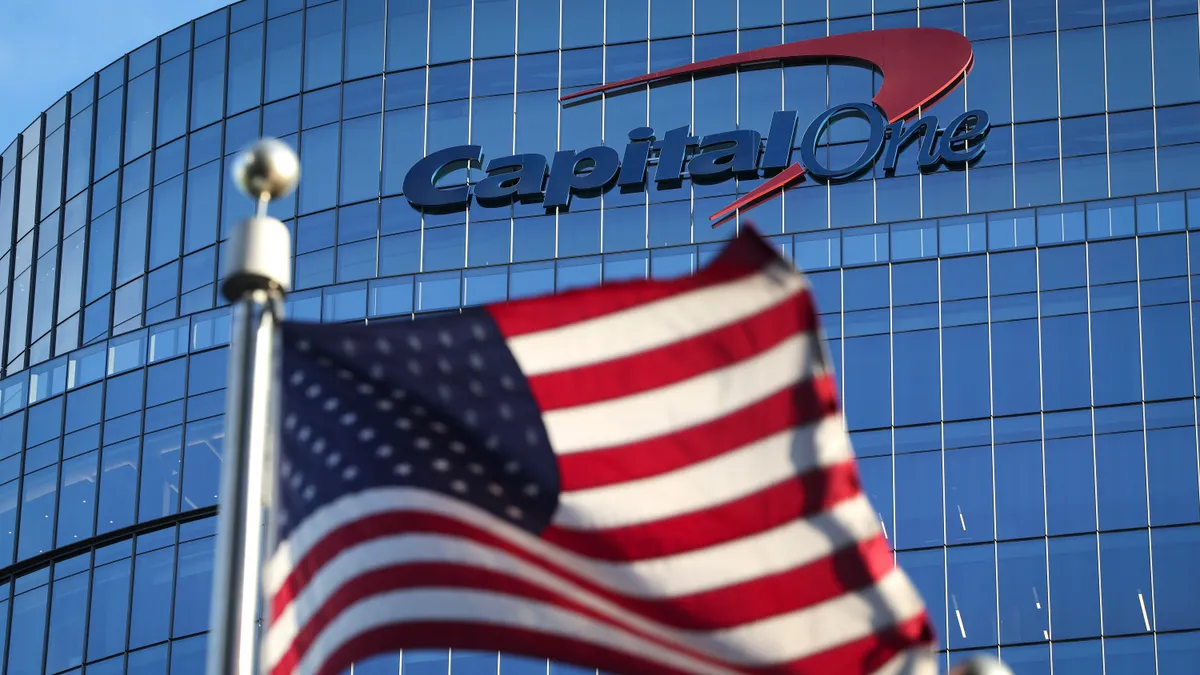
point(232, 643)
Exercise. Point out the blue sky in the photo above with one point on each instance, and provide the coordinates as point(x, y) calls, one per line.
point(49, 46)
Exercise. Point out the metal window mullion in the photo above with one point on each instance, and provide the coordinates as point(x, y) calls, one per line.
point(36, 234)
point(462, 291)
point(942, 435)
point(9, 270)
point(1192, 346)
point(1012, 115)
point(62, 201)
point(1095, 463)
point(1154, 131)
point(558, 137)
point(337, 199)
point(416, 305)
point(1058, 104)
point(120, 208)
point(221, 154)
point(153, 160)
point(992, 433)
point(1104, 66)
point(174, 596)
point(603, 121)
point(17, 511)
point(1153, 627)
point(512, 217)
point(966, 106)
point(691, 191)
point(1042, 422)
point(87, 599)
point(187, 172)
point(10, 595)
point(171, 602)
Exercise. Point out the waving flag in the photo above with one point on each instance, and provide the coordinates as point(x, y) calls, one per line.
point(648, 478)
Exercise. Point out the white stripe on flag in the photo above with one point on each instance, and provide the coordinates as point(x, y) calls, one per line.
point(842, 619)
point(684, 404)
point(719, 480)
point(654, 324)
point(786, 547)
point(487, 608)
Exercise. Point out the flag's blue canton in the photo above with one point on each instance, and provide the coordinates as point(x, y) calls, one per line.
point(437, 403)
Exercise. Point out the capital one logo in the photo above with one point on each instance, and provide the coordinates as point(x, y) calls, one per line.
point(920, 66)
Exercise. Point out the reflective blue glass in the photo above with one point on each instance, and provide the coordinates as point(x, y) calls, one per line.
point(1024, 377)
point(109, 609)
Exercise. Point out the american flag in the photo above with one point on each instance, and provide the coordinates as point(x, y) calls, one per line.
point(650, 477)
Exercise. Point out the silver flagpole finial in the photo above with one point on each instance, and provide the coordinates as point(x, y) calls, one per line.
point(259, 248)
point(267, 170)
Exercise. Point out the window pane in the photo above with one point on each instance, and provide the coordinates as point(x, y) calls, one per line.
point(1175, 553)
point(1171, 456)
point(406, 34)
point(193, 587)
point(77, 499)
point(208, 84)
point(971, 580)
point(1121, 480)
point(919, 519)
point(110, 609)
point(151, 661)
point(202, 463)
point(67, 619)
point(319, 156)
point(968, 495)
point(100, 256)
point(173, 98)
point(360, 159)
point(8, 521)
point(131, 248)
point(1075, 587)
point(323, 46)
point(153, 575)
point(29, 632)
point(1024, 604)
point(245, 70)
point(160, 474)
point(1125, 582)
point(188, 656)
point(425, 662)
point(364, 38)
point(39, 499)
point(283, 57)
point(1070, 492)
point(1019, 510)
point(118, 485)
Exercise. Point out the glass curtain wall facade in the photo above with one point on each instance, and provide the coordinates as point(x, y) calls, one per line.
point(1015, 341)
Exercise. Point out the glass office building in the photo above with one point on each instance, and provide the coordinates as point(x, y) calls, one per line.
point(1015, 340)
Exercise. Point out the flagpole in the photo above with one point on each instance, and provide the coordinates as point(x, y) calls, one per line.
point(257, 274)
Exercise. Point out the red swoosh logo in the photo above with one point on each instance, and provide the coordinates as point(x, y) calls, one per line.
point(919, 66)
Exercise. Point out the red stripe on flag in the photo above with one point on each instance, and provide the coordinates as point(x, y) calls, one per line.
point(678, 361)
point(743, 257)
point(445, 576)
point(823, 579)
point(873, 651)
point(788, 500)
point(806, 403)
